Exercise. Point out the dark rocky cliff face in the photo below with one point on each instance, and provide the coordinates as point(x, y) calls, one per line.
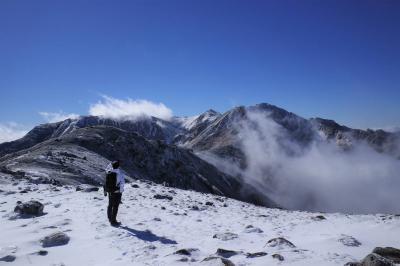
point(381, 141)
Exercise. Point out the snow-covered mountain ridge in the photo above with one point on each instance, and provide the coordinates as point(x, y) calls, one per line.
point(261, 154)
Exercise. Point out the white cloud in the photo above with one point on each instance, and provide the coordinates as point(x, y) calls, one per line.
point(57, 116)
point(129, 109)
point(11, 131)
point(318, 177)
point(322, 176)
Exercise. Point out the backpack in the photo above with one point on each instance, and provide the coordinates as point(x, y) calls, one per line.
point(111, 182)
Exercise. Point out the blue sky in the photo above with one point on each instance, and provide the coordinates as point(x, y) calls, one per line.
point(332, 59)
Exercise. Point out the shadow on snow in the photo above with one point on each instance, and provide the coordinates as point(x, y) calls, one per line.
point(148, 236)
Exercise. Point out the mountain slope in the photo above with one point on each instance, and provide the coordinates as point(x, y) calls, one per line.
point(36, 135)
point(148, 127)
point(173, 232)
point(81, 155)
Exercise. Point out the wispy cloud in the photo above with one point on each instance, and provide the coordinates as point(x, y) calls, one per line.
point(52, 117)
point(129, 109)
point(392, 129)
point(11, 131)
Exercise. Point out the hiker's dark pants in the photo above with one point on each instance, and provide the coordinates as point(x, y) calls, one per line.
point(114, 199)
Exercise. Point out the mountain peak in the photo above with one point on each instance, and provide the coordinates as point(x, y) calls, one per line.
point(211, 111)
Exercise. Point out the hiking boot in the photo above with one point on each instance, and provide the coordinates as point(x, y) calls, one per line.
point(115, 223)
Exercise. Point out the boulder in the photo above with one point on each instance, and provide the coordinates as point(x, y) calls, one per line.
point(280, 242)
point(55, 239)
point(388, 253)
point(374, 259)
point(30, 208)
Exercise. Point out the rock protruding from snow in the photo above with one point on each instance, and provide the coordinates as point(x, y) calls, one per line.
point(388, 253)
point(42, 252)
point(318, 218)
point(226, 253)
point(349, 241)
point(186, 251)
point(256, 254)
point(278, 257)
point(87, 188)
point(8, 258)
point(217, 261)
point(55, 239)
point(159, 196)
point(280, 242)
point(30, 208)
point(374, 259)
point(225, 236)
point(252, 229)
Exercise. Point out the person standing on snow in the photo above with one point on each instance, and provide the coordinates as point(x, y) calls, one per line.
point(114, 186)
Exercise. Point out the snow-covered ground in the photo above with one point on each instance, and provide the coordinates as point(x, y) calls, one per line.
point(153, 229)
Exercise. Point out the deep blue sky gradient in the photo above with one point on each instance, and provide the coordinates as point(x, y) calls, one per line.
point(332, 59)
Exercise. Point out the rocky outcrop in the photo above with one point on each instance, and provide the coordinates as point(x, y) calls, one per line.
point(346, 137)
point(374, 259)
point(388, 253)
point(379, 257)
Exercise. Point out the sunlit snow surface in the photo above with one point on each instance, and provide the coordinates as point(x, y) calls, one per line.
point(150, 234)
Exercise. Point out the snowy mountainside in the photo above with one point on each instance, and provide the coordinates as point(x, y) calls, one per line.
point(151, 128)
point(189, 228)
point(255, 147)
point(81, 155)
